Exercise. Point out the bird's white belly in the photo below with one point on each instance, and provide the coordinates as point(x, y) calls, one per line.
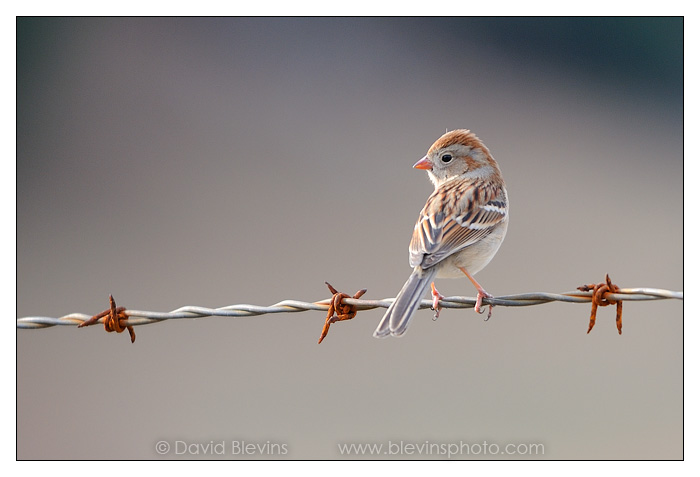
point(475, 257)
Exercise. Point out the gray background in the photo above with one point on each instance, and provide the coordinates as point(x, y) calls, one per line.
point(211, 162)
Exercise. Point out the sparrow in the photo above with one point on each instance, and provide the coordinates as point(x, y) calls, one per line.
point(459, 230)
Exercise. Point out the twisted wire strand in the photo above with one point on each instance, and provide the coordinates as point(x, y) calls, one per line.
point(138, 317)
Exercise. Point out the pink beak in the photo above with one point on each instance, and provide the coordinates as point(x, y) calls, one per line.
point(424, 164)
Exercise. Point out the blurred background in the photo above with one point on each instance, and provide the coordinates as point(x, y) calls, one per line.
point(219, 161)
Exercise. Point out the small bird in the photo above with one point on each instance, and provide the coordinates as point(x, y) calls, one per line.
point(460, 228)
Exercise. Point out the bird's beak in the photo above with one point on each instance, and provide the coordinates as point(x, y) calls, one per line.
point(424, 164)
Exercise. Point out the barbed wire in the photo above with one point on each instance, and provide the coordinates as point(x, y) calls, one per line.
point(139, 317)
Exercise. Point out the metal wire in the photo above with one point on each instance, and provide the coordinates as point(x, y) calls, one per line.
point(138, 317)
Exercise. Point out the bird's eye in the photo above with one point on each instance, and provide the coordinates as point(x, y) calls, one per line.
point(446, 158)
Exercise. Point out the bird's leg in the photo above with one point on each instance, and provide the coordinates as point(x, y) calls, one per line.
point(480, 293)
point(436, 300)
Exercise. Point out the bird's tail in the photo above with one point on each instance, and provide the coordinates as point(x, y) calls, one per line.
point(397, 317)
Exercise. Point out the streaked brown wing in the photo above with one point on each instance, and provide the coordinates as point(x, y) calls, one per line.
point(456, 215)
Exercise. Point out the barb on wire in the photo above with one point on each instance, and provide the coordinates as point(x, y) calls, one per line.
point(339, 311)
point(343, 307)
point(114, 318)
point(599, 298)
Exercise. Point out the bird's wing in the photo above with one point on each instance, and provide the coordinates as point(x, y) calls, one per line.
point(457, 215)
